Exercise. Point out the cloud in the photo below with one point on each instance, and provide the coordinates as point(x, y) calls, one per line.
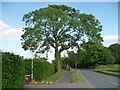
point(9, 33)
point(110, 39)
point(3, 26)
point(21, 52)
point(8, 37)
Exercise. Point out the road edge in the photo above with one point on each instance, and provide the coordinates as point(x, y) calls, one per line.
point(89, 84)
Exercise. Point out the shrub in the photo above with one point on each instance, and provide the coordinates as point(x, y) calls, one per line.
point(28, 66)
point(42, 69)
point(13, 72)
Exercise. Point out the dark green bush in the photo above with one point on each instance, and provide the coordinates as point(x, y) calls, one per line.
point(28, 66)
point(13, 71)
point(42, 69)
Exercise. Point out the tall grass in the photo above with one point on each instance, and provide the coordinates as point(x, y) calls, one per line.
point(76, 77)
point(109, 67)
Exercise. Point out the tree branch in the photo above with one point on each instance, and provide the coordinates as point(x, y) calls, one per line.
point(64, 47)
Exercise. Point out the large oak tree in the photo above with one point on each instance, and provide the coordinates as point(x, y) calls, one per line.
point(59, 27)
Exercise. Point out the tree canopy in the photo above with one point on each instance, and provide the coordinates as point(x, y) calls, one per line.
point(115, 49)
point(95, 53)
point(59, 27)
point(89, 56)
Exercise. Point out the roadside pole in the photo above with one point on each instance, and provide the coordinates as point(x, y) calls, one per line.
point(32, 70)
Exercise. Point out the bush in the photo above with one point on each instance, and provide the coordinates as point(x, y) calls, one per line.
point(13, 72)
point(28, 66)
point(42, 69)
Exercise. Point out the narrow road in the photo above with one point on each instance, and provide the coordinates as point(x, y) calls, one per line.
point(92, 80)
point(65, 78)
point(63, 82)
point(99, 80)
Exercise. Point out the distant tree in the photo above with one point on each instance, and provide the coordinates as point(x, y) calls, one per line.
point(73, 59)
point(59, 27)
point(65, 61)
point(115, 49)
point(94, 53)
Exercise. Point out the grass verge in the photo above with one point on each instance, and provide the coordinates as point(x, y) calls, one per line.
point(53, 78)
point(107, 72)
point(76, 77)
point(111, 69)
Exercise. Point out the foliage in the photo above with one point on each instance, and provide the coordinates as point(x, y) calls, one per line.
point(65, 61)
point(54, 64)
point(13, 72)
point(90, 55)
point(42, 69)
point(59, 27)
point(115, 49)
point(71, 60)
point(74, 59)
point(28, 66)
point(95, 54)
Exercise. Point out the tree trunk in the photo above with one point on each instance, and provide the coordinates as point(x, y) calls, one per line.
point(57, 60)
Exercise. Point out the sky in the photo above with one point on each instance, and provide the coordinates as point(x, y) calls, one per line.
point(11, 23)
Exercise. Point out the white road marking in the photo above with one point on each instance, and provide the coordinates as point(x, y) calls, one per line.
point(113, 83)
point(101, 77)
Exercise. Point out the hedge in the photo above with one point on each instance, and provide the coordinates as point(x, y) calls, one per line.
point(13, 71)
point(28, 66)
point(42, 69)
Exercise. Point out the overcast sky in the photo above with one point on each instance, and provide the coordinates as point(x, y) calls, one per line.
point(11, 23)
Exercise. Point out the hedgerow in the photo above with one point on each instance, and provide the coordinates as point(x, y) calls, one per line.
point(42, 69)
point(13, 71)
point(28, 66)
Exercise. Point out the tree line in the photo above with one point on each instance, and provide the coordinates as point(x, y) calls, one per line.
point(93, 54)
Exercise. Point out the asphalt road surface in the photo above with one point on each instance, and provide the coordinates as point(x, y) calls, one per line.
point(63, 82)
point(99, 80)
point(66, 77)
point(93, 80)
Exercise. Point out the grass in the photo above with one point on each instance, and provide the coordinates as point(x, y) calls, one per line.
point(76, 77)
point(53, 78)
point(111, 69)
